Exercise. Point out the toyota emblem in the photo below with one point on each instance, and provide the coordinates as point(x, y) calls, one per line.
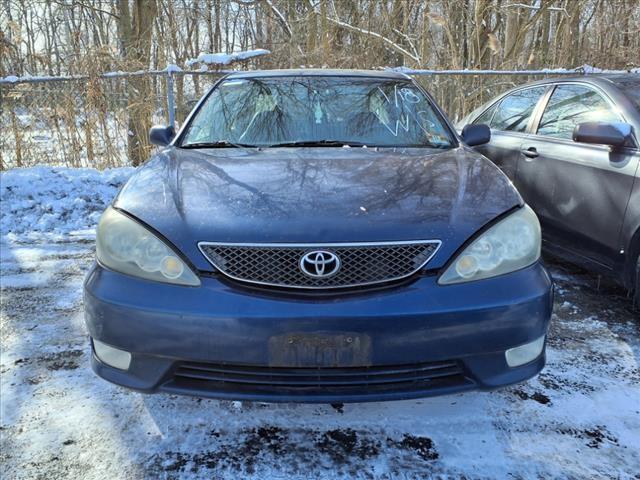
point(319, 264)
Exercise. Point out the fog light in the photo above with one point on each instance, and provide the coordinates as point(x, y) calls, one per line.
point(526, 353)
point(112, 356)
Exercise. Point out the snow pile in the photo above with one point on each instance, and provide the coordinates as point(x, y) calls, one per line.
point(55, 201)
point(226, 58)
point(172, 68)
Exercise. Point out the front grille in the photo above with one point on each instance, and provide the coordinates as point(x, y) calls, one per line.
point(360, 264)
point(333, 380)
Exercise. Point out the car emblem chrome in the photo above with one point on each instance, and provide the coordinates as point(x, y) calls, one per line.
point(320, 264)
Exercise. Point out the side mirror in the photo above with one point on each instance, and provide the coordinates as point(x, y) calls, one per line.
point(612, 134)
point(161, 136)
point(476, 134)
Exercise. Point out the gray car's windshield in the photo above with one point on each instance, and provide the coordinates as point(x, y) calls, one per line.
point(317, 111)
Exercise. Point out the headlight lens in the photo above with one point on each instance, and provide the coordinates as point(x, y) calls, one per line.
point(509, 245)
point(124, 245)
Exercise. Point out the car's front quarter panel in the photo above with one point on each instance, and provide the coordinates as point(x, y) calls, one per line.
point(504, 151)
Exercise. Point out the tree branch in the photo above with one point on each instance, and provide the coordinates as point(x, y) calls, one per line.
point(281, 18)
point(390, 43)
point(93, 8)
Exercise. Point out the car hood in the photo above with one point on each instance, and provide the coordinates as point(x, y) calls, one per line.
point(317, 195)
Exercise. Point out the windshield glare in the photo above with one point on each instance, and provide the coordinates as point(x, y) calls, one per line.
point(360, 111)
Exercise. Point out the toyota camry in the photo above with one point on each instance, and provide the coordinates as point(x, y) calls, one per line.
point(317, 236)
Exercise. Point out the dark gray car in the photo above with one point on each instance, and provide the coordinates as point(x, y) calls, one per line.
point(570, 146)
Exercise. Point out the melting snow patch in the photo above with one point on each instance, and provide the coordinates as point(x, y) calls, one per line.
point(50, 200)
point(24, 280)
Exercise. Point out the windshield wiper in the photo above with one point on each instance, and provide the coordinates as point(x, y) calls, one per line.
point(318, 143)
point(221, 144)
point(349, 143)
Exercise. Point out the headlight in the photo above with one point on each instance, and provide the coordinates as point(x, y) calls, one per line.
point(124, 245)
point(509, 245)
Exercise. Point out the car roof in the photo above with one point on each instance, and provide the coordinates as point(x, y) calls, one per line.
point(320, 72)
point(601, 79)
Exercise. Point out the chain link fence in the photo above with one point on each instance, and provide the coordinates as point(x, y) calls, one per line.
point(87, 121)
point(94, 121)
point(460, 94)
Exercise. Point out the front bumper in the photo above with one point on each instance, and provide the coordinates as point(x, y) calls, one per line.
point(413, 340)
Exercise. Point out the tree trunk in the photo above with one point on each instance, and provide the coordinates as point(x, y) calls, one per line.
point(135, 29)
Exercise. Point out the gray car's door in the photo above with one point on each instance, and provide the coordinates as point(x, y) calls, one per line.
point(509, 118)
point(579, 191)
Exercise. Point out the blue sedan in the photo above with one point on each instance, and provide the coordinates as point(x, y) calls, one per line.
point(318, 236)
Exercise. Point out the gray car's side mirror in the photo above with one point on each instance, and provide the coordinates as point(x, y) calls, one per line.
point(161, 136)
point(612, 134)
point(476, 134)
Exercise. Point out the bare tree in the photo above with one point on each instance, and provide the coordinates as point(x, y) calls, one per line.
point(135, 29)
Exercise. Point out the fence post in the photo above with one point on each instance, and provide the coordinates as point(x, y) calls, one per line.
point(171, 103)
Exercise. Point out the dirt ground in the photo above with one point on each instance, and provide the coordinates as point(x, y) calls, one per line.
point(580, 418)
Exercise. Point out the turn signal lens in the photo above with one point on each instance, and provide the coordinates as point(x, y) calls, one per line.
point(467, 266)
point(172, 267)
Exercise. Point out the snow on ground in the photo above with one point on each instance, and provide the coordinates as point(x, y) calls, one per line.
point(579, 419)
point(55, 200)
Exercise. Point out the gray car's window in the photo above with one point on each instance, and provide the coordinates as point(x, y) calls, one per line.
point(514, 111)
point(272, 111)
point(486, 116)
point(570, 105)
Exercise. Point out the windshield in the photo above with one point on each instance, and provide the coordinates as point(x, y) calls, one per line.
point(631, 87)
point(323, 111)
